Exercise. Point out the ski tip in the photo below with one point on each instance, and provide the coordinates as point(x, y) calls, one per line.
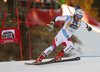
point(78, 58)
point(29, 64)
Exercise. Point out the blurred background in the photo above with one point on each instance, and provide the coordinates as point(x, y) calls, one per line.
point(36, 36)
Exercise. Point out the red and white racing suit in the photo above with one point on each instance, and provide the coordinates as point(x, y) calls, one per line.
point(63, 36)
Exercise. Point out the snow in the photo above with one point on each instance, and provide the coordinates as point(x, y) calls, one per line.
point(90, 41)
point(86, 64)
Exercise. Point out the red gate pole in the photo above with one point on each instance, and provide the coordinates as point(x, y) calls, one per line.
point(20, 36)
point(3, 20)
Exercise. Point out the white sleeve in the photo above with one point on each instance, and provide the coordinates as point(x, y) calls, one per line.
point(60, 18)
point(83, 24)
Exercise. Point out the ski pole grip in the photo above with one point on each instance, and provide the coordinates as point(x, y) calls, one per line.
point(47, 24)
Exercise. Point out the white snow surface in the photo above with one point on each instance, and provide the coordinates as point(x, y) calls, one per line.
point(90, 41)
point(86, 64)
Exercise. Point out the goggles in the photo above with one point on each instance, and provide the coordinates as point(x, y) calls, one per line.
point(79, 16)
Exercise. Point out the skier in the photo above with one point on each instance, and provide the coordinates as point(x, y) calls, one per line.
point(72, 23)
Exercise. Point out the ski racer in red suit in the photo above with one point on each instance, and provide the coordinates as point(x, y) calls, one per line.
point(72, 23)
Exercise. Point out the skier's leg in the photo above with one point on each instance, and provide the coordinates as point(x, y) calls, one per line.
point(68, 47)
point(57, 40)
point(46, 51)
point(53, 46)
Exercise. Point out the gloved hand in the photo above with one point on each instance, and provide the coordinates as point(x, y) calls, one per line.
point(51, 24)
point(89, 28)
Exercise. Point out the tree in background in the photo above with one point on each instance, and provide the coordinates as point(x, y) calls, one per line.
point(61, 2)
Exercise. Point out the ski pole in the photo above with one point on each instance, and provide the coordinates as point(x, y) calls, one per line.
point(30, 22)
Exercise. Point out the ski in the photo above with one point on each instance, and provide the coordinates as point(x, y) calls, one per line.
point(52, 61)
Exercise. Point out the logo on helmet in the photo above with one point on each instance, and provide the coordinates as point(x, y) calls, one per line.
point(80, 13)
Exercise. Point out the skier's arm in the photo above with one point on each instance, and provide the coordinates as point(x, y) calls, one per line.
point(89, 28)
point(55, 19)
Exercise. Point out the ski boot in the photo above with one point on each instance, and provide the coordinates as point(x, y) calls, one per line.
point(58, 57)
point(40, 58)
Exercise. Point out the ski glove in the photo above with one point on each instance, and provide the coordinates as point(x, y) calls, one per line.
point(51, 24)
point(89, 28)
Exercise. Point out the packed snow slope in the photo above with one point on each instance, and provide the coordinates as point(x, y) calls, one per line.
point(86, 64)
point(90, 41)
